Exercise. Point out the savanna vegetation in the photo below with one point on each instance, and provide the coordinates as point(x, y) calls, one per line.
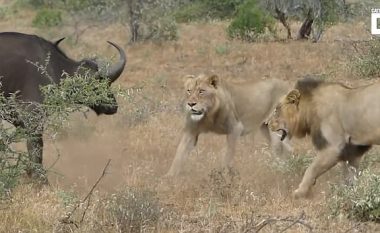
point(106, 172)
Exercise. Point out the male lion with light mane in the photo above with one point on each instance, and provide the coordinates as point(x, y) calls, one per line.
point(213, 105)
point(342, 122)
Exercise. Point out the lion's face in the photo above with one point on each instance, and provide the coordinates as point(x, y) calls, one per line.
point(284, 117)
point(201, 95)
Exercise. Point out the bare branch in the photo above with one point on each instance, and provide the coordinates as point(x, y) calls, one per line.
point(258, 227)
point(66, 219)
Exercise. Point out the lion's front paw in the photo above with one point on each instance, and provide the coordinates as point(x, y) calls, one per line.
point(171, 174)
point(300, 193)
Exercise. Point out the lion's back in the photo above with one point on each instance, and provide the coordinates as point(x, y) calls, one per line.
point(255, 101)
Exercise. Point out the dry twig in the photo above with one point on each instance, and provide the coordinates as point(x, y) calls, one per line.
point(67, 219)
point(300, 220)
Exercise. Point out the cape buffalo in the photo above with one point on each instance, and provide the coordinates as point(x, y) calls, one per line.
point(21, 77)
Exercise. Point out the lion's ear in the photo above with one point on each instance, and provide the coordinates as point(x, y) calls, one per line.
point(214, 80)
point(187, 77)
point(293, 97)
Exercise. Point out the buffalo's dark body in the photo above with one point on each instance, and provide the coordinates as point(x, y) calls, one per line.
point(17, 74)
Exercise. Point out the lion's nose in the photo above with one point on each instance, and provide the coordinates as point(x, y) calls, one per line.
point(191, 104)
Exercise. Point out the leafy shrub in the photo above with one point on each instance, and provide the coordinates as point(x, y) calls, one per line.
point(31, 3)
point(360, 9)
point(12, 162)
point(222, 49)
point(3, 12)
point(250, 22)
point(135, 210)
point(59, 100)
point(162, 29)
point(194, 11)
point(152, 21)
point(294, 165)
point(93, 10)
point(332, 11)
point(67, 198)
point(367, 63)
point(47, 18)
point(360, 201)
point(223, 8)
point(214, 9)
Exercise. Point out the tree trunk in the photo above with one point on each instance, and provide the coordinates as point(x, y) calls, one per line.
point(134, 9)
point(305, 30)
point(282, 17)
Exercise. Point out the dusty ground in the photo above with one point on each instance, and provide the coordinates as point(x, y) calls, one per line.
point(141, 139)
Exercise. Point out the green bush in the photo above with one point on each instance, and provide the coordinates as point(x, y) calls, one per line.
point(162, 29)
point(207, 9)
point(360, 201)
point(332, 11)
point(12, 162)
point(59, 101)
point(47, 18)
point(195, 11)
point(30, 3)
point(153, 21)
point(4, 12)
point(367, 62)
point(222, 49)
point(250, 22)
point(294, 165)
point(67, 198)
point(223, 8)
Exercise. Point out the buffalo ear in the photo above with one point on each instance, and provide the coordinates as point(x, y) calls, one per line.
point(293, 97)
point(56, 43)
point(214, 80)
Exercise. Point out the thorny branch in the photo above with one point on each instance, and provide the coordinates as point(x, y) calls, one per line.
point(67, 219)
point(300, 220)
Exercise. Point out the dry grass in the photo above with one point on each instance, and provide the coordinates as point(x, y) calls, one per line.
point(142, 146)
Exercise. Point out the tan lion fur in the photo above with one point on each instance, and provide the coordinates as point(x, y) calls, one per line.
point(214, 105)
point(342, 122)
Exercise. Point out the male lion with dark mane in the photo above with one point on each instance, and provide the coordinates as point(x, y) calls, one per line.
point(213, 105)
point(342, 122)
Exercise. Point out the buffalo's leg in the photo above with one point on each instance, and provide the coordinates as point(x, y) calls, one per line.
point(188, 142)
point(322, 163)
point(35, 148)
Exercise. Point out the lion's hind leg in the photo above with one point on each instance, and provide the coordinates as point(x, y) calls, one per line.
point(232, 138)
point(351, 157)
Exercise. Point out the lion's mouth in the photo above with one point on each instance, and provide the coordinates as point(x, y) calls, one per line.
point(283, 133)
point(195, 112)
point(196, 115)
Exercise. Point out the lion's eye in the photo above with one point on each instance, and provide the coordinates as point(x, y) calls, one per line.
point(276, 111)
point(188, 91)
point(201, 91)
